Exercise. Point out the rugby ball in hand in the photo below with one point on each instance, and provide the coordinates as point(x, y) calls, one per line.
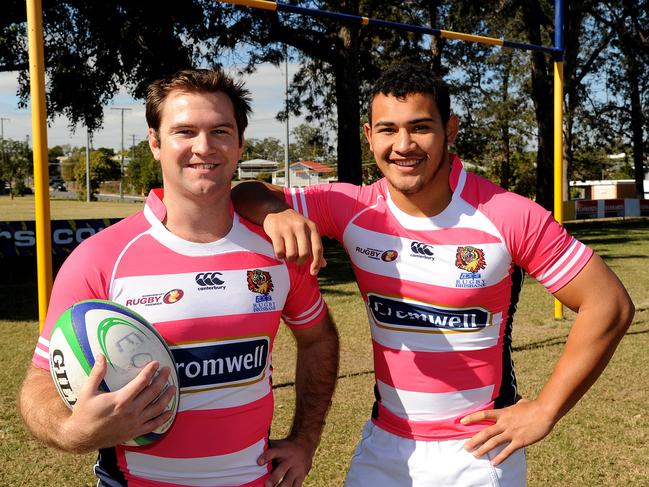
point(126, 339)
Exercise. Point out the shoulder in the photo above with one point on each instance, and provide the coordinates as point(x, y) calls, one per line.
point(111, 240)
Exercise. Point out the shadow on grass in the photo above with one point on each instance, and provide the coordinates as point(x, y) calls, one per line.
point(338, 270)
point(18, 288)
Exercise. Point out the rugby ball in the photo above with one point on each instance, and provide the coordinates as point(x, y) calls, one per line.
point(126, 339)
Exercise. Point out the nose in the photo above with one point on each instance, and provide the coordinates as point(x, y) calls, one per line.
point(403, 142)
point(202, 144)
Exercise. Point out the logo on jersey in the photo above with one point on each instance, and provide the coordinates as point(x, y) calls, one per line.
point(147, 300)
point(259, 281)
point(173, 296)
point(209, 281)
point(377, 254)
point(422, 250)
point(218, 364)
point(263, 302)
point(416, 316)
point(470, 259)
point(389, 255)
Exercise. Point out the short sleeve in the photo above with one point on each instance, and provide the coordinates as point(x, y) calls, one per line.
point(304, 305)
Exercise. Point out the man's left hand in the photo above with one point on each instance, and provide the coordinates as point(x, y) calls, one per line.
point(291, 460)
point(519, 425)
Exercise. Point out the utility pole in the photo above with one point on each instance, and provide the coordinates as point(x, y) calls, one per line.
point(133, 147)
point(2, 128)
point(2, 139)
point(121, 171)
point(87, 165)
point(287, 169)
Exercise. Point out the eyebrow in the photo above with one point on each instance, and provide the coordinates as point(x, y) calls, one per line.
point(181, 125)
point(387, 123)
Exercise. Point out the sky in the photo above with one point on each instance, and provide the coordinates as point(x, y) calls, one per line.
point(266, 85)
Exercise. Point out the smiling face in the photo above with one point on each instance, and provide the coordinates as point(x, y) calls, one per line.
point(409, 142)
point(197, 144)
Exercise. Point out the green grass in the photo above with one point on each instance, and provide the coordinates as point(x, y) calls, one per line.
point(23, 208)
point(601, 442)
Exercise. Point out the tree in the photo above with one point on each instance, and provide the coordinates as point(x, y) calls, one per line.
point(15, 164)
point(311, 143)
point(269, 148)
point(627, 88)
point(102, 168)
point(143, 172)
point(94, 48)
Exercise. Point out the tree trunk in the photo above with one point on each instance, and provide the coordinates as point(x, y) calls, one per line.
point(543, 107)
point(348, 110)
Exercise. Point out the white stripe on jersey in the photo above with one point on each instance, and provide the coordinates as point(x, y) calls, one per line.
point(430, 272)
point(563, 268)
point(428, 406)
point(238, 239)
point(44, 341)
point(301, 206)
point(41, 353)
point(306, 317)
point(234, 299)
point(232, 469)
point(225, 398)
point(437, 342)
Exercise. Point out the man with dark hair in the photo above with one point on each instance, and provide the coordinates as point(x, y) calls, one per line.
point(439, 255)
point(229, 294)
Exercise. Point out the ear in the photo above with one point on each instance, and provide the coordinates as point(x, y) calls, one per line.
point(367, 129)
point(242, 144)
point(452, 128)
point(154, 144)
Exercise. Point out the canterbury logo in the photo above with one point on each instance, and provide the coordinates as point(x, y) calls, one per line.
point(421, 249)
point(209, 279)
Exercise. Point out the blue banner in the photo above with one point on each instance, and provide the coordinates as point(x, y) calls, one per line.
point(18, 239)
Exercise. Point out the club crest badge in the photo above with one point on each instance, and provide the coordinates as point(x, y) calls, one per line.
point(470, 259)
point(259, 281)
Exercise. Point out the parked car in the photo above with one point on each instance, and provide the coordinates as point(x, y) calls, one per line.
point(59, 187)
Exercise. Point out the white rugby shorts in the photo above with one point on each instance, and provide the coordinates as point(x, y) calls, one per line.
point(386, 460)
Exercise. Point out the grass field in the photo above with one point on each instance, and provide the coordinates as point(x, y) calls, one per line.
point(602, 442)
point(22, 208)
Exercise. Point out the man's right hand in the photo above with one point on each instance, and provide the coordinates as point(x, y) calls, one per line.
point(98, 419)
point(295, 238)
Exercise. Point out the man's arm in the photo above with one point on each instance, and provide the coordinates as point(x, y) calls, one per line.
point(316, 372)
point(99, 419)
point(604, 313)
point(295, 238)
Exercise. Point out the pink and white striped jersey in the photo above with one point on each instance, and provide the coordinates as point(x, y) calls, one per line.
point(440, 293)
point(218, 306)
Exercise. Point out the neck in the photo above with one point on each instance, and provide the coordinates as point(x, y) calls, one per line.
point(198, 221)
point(429, 200)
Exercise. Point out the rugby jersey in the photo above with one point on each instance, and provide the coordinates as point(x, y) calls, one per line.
point(218, 306)
point(441, 292)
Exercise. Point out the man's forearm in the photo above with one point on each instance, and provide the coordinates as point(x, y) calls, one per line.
point(42, 409)
point(316, 373)
point(254, 200)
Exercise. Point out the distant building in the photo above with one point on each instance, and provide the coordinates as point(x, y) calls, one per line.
point(605, 190)
point(306, 173)
point(254, 167)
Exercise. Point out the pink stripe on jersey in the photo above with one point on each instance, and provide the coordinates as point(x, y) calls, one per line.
point(436, 371)
point(450, 429)
point(202, 329)
point(165, 261)
point(214, 432)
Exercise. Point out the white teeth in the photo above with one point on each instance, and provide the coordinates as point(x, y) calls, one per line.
point(203, 166)
point(407, 163)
